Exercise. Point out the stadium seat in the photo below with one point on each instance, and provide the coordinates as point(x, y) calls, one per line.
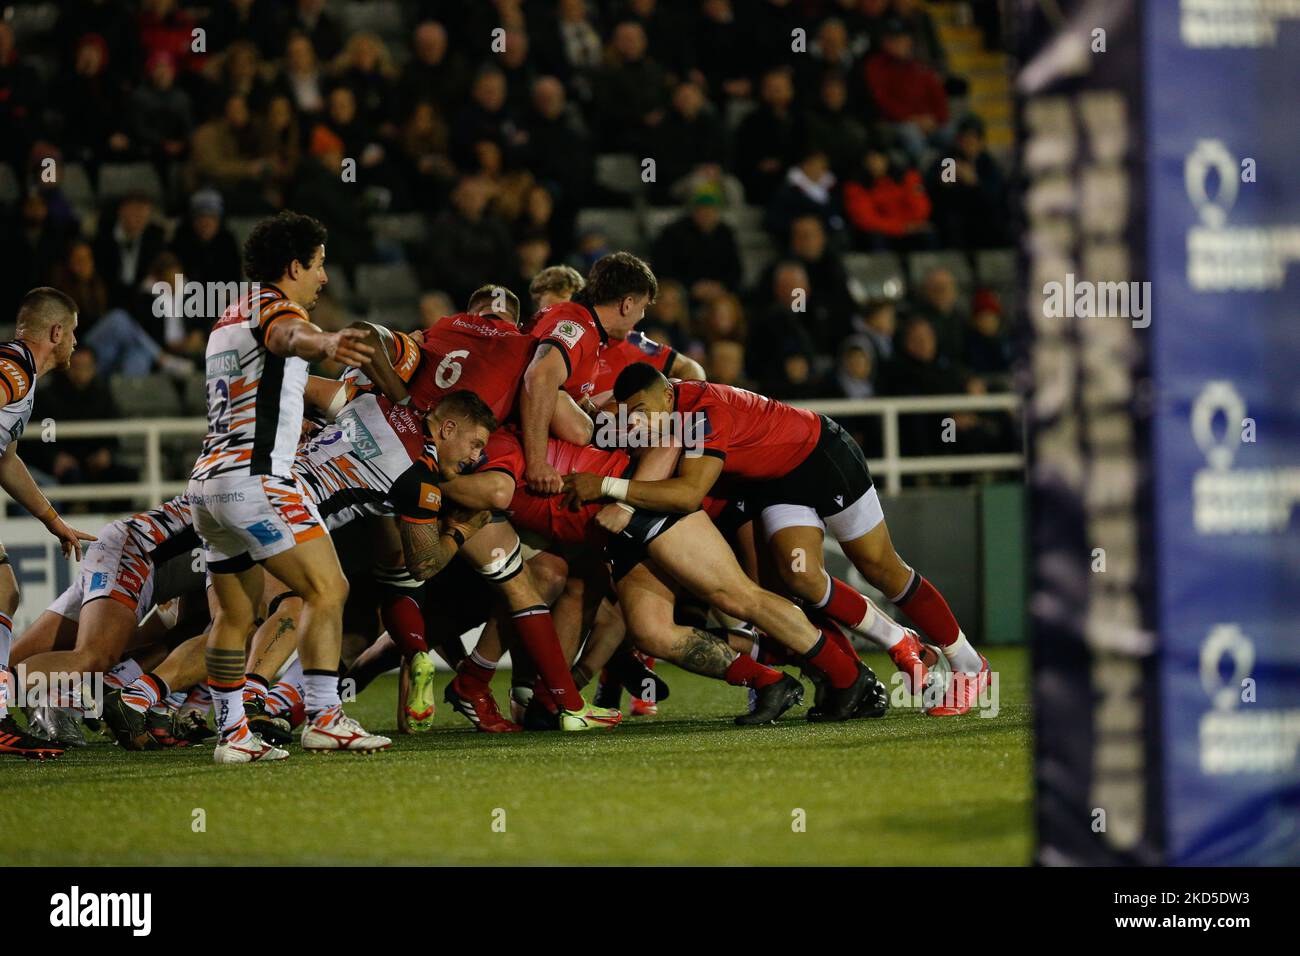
point(118, 179)
point(657, 219)
point(10, 190)
point(241, 226)
point(619, 173)
point(875, 275)
point(746, 220)
point(387, 283)
point(400, 227)
point(996, 267)
point(620, 226)
point(31, 20)
point(194, 396)
point(952, 260)
point(146, 396)
point(75, 183)
point(754, 258)
point(377, 16)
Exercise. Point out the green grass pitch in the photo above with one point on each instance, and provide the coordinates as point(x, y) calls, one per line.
point(686, 787)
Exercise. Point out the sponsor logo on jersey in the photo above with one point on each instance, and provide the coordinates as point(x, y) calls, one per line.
point(15, 372)
point(98, 581)
point(567, 332)
point(364, 446)
point(223, 363)
point(430, 496)
point(265, 532)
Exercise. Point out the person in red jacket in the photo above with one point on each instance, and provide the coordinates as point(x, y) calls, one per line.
point(907, 92)
point(888, 208)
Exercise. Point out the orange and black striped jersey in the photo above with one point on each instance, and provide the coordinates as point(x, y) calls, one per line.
point(349, 467)
point(17, 390)
point(255, 397)
point(165, 531)
point(416, 496)
point(402, 352)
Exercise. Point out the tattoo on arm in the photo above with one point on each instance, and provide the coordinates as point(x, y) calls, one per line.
point(425, 550)
point(700, 652)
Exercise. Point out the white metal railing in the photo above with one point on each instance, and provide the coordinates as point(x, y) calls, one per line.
point(152, 489)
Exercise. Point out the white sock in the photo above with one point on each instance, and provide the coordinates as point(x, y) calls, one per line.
point(962, 656)
point(876, 626)
point(123, 673)
point(228, 709)
point(6, 642)
point(292, 674)
point(482, 661)
point(322, 692)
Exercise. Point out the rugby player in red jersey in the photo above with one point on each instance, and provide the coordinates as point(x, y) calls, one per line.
point(688, 550)
point(806, 475)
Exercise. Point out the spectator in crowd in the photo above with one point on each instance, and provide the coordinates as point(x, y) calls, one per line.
point(164, 28)
point(833, 123)
point(518, 69)
point(729, 49)
point(224, 155)
point(468, 247)
point(110, 22)
point(239, 73)
point(769, 138)
point(668, 317)
point(879, 324)
point(160, 112)
point(866, 21)
point(669, 30)
point(591, 245)
point(337, 204)
point(571, 49)
point(699, 249)
point(250, 21)
point(969, 200)
point(918, 23)
point(537, 217)
point(630, 93)
point(434, 72)
point(77, 394)
point(207, 250)
point(280, 145)
point(424, 149)
point(919, 368)
point(829, 303)
point(487, 117)
point(940, 303)
point(126, 244)
point(163, 315)
point(302, 78)
point(89, 100)
point(77, 275)
point(532, 252)
point(558, 150)
point(723, 319)
point(31, 244)
point(726, 364)
point(796, 381)
point(366, 69)
point(690, 136)
point(854, 377)
point(312, 20)
point(829, 54)
point(987, 352)
point(888, 207)
point(808, 190)
point(435, 305)
point(907, 93)
point(781, 324)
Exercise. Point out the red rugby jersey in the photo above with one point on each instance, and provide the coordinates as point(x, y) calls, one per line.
point(484, 354)
point(756, 437)
point(575, 330)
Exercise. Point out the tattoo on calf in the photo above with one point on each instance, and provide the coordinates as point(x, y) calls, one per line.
point(700, 652)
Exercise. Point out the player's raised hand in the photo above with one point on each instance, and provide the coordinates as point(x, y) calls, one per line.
point(544, 479)
point(346, 346)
